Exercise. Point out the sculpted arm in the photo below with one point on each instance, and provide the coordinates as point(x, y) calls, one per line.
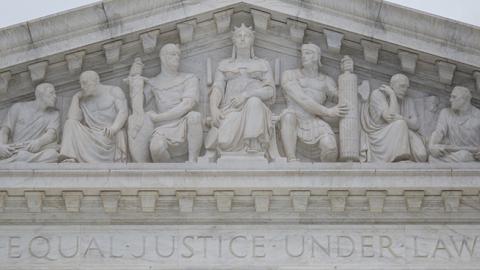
point(267, 91)
point(437, 136)
point(295, 91)
point(392, 110)
point(5, 150)
point(122, 109)
point(216, 96)
point(412, 118)
point(74, 112)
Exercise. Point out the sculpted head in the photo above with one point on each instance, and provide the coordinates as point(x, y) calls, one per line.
point(460, 98)
point(45, 95)
point(170, 56)
point(400, 85)
point(311, 55)
point(346, 64)
point(243, 38)
point(89, 81)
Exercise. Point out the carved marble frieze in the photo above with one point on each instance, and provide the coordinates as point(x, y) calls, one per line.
point(241, 85)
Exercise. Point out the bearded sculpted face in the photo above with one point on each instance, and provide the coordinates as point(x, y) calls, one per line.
point(89, 81)
point(46, 95)
point(400, 85)
point(459, 98)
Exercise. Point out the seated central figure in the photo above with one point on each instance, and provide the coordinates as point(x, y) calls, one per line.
point(243, 85)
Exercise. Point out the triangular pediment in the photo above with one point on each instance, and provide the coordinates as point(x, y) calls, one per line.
point(382, 38)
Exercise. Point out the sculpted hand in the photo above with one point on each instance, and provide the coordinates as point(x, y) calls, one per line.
point(136, 82)
point(387, 90)
point(217, 116)
point(79, 94)
point(6, 151)
point(33, 146)
point(393, 117)
point(238, 101)
point(155, 117)
point(341, 110)
point(437, 151)
point(109, 132)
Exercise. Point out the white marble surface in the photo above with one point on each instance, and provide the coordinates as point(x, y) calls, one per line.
point(260, 247)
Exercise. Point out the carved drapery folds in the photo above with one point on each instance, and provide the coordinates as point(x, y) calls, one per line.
point(322, 117)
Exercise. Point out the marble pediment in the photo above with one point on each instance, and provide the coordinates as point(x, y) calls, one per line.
point(436, 53)
point(243, 211)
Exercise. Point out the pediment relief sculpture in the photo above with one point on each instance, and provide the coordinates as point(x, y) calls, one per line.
point(94, 131)
point(242, 90)
point(171, 129)
point(30, 130)
point(457, 135)
point(390, 122)
point(319, 115)
point(303, 121)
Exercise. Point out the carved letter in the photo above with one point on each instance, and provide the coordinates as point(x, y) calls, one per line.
point(299, 253)
point(112, 247)
point(386, 245)
point(142, 254)
point(171, 251)
point(62, 253)
point(326, 249)
point(14, 248)
point(339, 246)
point(186, 245)
point(464, 244)
point(258, 245)
point(415, 249)
point(34, 253)
point(366, 242)
point(231, 246)
point(205, 238)
point(93, 246)
point(441, 246)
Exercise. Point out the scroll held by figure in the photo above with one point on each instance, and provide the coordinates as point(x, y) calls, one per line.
point(304, 120)
point(29, 133)
point(94, 130)
point(242, 90)
point(457, 135)
point(170, 129)
point(390, 121)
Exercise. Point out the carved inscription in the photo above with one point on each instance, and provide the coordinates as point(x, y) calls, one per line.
point(246, 246)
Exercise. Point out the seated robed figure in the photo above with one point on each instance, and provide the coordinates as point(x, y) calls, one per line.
point(457, 135)
point(94, 130)
point(29, 133)
point(303, 122)
point(390, 122)
point(171, 128)
point(242, 89)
